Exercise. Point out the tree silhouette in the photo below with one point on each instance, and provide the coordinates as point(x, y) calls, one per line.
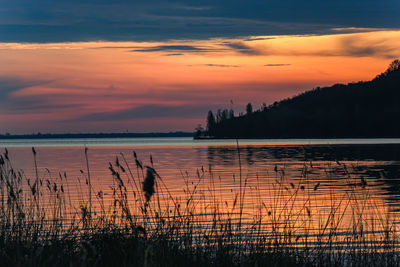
point(249, 109)
point(199, 130)
point(394, 66)
point(231, 114)
point(210, 122)
point(264, 107)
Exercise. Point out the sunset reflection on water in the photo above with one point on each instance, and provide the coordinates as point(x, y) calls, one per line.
point(308, 192)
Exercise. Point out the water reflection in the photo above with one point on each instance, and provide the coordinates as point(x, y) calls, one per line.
point(306, 153)
point(378, 164)
point(340, 176)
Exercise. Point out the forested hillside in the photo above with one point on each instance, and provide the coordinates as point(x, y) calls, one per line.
point(363, 109)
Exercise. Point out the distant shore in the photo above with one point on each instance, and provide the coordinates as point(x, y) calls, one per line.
point(94, 135)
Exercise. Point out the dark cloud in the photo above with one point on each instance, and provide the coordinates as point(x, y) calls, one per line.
point(346, 45)
point(34, 104)
point(150, 112)
point(115, 47)
point(222, 65)
point(243, 48)
point(12, 84)
point(216, 65)
point(173, 54)
point(172, 48)
point(249, 39)
point(122, 20)
point(38, 105)
point(12, 104)
point(277, 65)
point(353, 46)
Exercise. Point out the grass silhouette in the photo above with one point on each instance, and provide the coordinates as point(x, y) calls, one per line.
point(141, 222)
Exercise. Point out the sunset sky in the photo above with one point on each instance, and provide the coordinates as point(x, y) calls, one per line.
point(144, 66)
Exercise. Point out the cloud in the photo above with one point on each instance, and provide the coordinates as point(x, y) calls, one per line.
point(222, 65)
point(277, 65)
point(121, 20)
point(11, 102)
point(243, 48)
point(9, 85)
point(379, 44)
point(358, 29)
point(254, 38)
point(194, 8)
point(150, 112)
point(355, 46)
point(216, 65)
point(173, 48)
point(115, 47)
point(174, 54)
point(382, 44)
point(38, 105)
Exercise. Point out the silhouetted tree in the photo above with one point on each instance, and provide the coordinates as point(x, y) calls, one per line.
point(218, 117)
point(199, 130)
point(249, 109)
point(210, 122)
point(264, 107)
point(222, 114)
point(394, 66)
point(231, 114)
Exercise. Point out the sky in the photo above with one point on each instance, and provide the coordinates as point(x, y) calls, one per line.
point(159, 66)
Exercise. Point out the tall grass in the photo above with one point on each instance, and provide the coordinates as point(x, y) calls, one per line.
point(139, 221)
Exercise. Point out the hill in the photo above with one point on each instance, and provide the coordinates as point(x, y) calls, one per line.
point(356, 110)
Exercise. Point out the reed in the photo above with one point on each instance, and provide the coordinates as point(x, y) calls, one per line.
point(138, 221)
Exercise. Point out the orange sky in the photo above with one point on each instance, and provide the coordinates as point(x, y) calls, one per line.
point(170, 86)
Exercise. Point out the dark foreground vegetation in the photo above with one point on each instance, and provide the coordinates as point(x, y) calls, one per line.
point(356, 110)
point(140, 223)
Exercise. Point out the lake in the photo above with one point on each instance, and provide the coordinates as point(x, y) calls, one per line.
point(300, 184)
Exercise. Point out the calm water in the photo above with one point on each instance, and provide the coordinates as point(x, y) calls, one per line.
point(313, 175)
